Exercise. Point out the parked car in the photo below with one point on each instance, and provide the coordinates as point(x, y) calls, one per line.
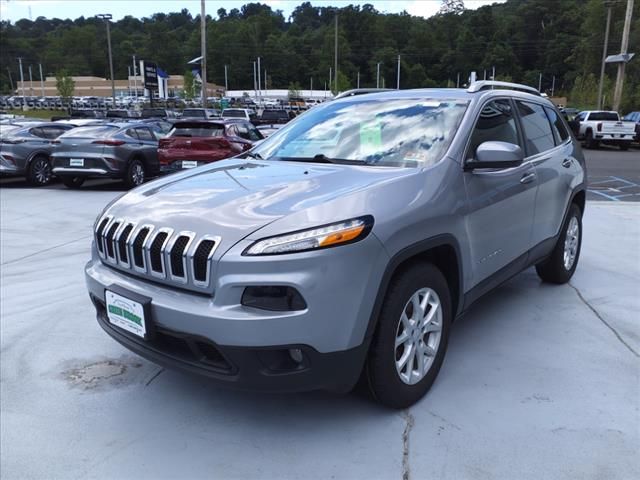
point(346, 244)
point(193, 143)
point(204, 113)
point(157, 113)
point(126, 151)
point(242, 113)
point(596, 127)
point(271, 117)
point(635, 118)
point(268, 130)
point(25, 150)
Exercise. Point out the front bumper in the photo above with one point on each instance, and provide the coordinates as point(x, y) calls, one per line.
point(268, 369)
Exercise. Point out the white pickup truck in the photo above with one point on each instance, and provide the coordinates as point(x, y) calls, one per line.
point(597, 126)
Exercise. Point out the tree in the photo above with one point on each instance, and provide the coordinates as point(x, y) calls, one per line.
point(451, 6)
point(294, 90)
point(189, 85)
point(65, 85)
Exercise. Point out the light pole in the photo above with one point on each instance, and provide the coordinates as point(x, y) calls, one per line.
point(378, 76)
point(617, 93)
point(203, 52)
point(608, 4)
point(106, 17)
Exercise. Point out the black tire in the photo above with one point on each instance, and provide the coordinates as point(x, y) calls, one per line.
point(554, 269)
point(39, 171)
point(591, 142)
point(132, 177)
point(73, 182)
point(624, 146)
point(382, 376)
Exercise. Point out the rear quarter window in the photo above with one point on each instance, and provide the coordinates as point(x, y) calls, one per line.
point(560, 132)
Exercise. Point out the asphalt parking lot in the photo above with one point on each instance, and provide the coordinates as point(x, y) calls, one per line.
point(540, 381)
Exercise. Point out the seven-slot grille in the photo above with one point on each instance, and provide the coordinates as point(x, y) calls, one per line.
point(161, 253)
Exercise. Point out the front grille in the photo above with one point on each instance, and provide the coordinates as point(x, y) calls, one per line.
point(180, 258)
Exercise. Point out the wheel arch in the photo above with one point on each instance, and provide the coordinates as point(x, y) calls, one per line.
point(443, 251)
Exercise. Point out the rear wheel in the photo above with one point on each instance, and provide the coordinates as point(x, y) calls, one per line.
point(411, 338)
point(591, 142)
point(562, 263)
point(39, 172)
point(135, 175)
point(73, 182)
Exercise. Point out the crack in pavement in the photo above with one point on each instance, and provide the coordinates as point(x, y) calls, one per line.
point(597, 314)
point(154, 377)
point(409, 421)
point(46, 250)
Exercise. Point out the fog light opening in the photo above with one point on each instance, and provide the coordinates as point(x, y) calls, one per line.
point(296, 355)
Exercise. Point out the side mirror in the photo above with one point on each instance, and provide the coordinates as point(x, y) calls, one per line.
point(496, 155)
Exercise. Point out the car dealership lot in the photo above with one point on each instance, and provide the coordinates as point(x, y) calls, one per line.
point(540, 381)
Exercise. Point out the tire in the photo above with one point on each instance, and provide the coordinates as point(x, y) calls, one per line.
point(73, 182)
point(591, 143)
point(135, 174)
point(390, 382)
point(39, 171)
point(557, 268)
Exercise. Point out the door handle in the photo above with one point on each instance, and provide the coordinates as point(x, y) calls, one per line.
point(566, 163)
point(528, 177)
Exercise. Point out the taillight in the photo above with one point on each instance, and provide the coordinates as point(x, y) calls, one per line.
point(599, 126)
point(110, 143)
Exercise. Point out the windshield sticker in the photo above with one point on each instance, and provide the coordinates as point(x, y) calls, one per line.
point(370, 137)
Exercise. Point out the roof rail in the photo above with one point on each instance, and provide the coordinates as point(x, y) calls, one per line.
point(491, 84)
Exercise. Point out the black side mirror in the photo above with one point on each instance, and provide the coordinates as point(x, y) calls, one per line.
point(496, 155)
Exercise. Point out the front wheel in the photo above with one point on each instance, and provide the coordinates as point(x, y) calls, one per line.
point(135, 175)
point(411, 337)
point(39, 172)
point(562, 262)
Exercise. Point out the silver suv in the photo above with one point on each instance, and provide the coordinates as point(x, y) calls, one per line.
point(343, 246)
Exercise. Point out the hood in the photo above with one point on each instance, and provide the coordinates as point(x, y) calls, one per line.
point(233, 198)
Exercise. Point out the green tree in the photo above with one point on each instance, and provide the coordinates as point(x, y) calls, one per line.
point(189, 85)
point(65, 85)
point(294, 90)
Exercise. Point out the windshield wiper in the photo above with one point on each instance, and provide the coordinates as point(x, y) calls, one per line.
point(322, 158)
point(257, 156)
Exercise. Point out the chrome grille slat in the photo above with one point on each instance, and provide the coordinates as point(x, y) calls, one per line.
point(175, 257)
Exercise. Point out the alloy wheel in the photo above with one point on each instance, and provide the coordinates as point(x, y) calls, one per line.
point(571, 241)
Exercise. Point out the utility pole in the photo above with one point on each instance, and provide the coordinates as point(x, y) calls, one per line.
point(358, 81)
point(10, 79)
point(540, 83)
point(135, 77)
point(226, 81)
point(311, 89)
point(378, 76)
point(617, 93)
point(265, 81)
point(553, 85)
point(129, 79)
point(336, 54)
point(203, 52)
point(255, 83)
point(41, 79)
point(22, 83)
point(493, 73)
point(608, 4)
point(398, 82)
point(30, 82)
point(330, 78)
point(107, 17)
point(259, 81)
point(458, 81)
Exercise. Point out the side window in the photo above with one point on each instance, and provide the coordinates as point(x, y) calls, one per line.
point(38, 132)
point(557, 125)
point(232, 131)
point(254, 133)
point(243, 132)
point(132, 133)
point(53, 132)
point(145, 134)
point(536, 127)
point(496, 123)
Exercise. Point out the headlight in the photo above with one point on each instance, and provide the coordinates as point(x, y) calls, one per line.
point(325, 236)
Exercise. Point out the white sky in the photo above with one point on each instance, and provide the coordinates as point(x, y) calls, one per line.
point(14, 10)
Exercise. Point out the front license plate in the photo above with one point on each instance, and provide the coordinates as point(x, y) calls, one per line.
point(76, 162)
point(189, 164)
point(126, 313)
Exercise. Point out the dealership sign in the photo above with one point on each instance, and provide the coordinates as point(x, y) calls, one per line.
point(150, 75)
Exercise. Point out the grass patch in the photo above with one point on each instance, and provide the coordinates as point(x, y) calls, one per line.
point(43, 114)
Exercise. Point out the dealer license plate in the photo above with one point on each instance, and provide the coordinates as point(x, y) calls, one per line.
point(76, 162)
point(189, 163)
point(125, 313)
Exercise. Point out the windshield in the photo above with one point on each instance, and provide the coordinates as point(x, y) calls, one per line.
point(392, 132)
point(194, 113)
point(90, 132)
point(233, 113)
point(195, 130)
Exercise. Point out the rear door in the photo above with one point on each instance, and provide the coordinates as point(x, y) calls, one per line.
point(500, 202)
point(149, 144)
point(549, 150)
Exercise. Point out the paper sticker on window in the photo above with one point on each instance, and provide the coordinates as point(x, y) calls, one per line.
point(370, 137)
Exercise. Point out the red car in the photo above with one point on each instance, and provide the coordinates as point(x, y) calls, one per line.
point(192, 143)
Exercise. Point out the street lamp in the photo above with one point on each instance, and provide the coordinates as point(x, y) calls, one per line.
point(106, 17)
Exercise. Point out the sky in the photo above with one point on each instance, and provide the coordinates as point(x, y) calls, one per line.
point(14, 10)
